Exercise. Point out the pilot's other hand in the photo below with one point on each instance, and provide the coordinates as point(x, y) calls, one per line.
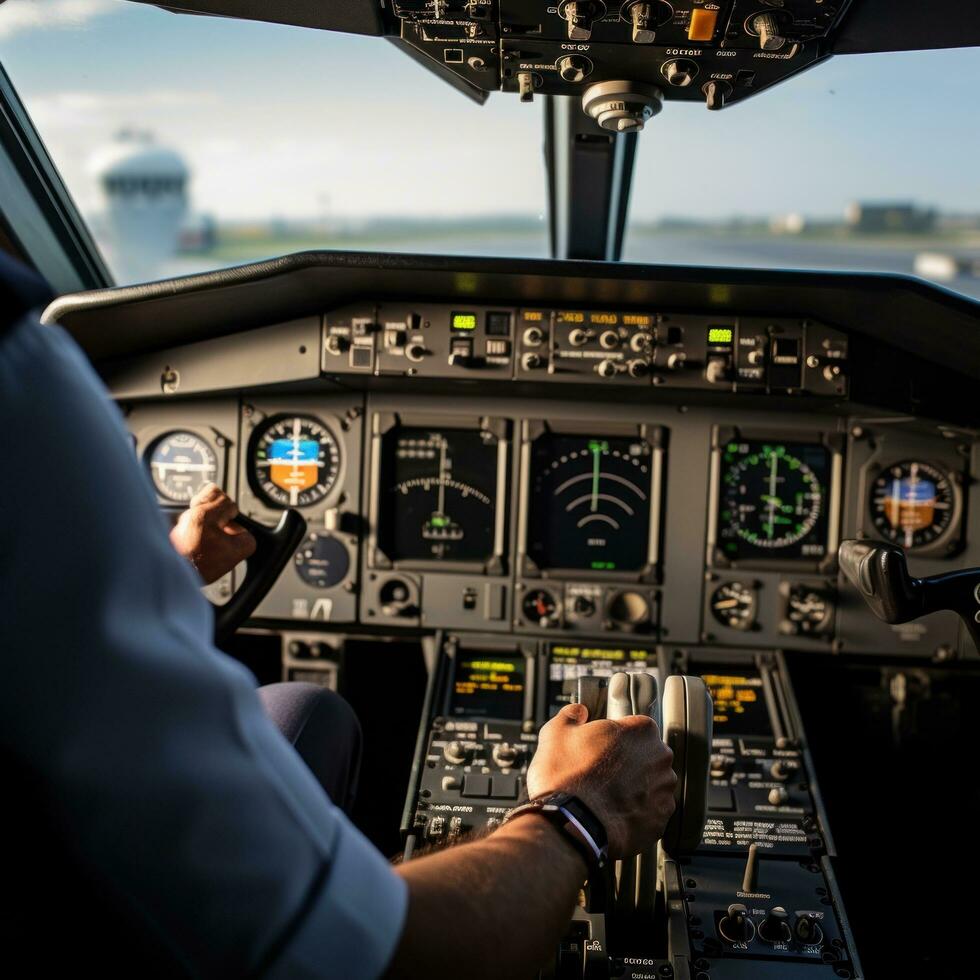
point(620, 769)
point(207, 536)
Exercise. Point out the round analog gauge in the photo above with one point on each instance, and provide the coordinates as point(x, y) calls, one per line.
point(438, 499)
point(734, 605)
point(773, 500)
point(539, 606)
point(914, 504)
point(808, 610)
point(590, 503)
point(322, 561)
point(180, 464)
point(294, 461)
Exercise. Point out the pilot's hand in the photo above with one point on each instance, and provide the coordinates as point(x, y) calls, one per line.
point(620, 769)
point(207, 536)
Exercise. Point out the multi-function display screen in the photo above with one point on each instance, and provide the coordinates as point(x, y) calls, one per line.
point(568, 662)
point(739, 704)
point(488, 686)
point(438, 494)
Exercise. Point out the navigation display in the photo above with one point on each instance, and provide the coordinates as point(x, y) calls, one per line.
point(740, 705)
point(773, 500)
point(590, 503)
point(488, 686)
point(568, 662)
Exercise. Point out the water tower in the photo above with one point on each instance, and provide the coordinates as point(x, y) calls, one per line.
point(144, 192)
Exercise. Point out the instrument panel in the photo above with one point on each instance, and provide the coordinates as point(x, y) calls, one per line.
point(637, 507)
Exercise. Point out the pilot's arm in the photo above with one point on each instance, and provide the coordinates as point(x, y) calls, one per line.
point(149, 753)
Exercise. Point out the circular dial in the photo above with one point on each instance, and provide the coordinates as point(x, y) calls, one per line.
point(914, 504)
point(539, 606)
point(322, 561)
point(807, 609)
point(590, 503)
point(773, 500)
point(180, 463)
point(293, 461)
point(438, 494)
point(734, 605)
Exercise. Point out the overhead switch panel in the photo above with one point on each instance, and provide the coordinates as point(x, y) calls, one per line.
point(715, 52)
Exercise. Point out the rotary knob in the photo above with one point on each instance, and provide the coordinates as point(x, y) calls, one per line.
point(775, 928)
point(778, 796)
point(455, 752)
point(680, 73)
point(336, 345)
point(606, 368)
point(756, 356)
point(505, 754)
point(806, 930)
point(578, 337)
point(533, 337)
point(415, 351)
point(767, 27)
point(637, 368)
point(641, 342)
point(781, 770)
point(574, 68)
point(736, 927)
point(609, 340)
point(580, 15)
point(530, 361)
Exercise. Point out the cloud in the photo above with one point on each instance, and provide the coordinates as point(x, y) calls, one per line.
point(18, 16)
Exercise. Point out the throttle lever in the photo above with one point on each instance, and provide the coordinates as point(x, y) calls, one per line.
point(880, 573)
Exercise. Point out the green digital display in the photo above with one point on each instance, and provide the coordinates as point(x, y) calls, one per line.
point(720, 335)
point(464, 321)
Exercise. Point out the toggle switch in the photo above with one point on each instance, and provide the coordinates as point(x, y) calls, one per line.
point(750, 876)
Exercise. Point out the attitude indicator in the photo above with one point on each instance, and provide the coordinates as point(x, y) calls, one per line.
point(294, 461)
point(915, 504)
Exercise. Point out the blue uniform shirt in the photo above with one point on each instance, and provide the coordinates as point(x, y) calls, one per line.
point(174, 792)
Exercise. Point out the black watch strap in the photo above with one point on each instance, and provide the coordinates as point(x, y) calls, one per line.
point(583, 828)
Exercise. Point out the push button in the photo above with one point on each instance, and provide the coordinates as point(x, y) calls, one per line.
point(476, 784)
point(505, 787)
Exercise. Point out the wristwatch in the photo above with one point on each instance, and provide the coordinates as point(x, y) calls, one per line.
point(582, 827)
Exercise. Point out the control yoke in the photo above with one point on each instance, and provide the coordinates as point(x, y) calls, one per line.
point(273, 549)
point(879, 572)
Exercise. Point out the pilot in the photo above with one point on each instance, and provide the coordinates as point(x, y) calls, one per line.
point(158, 823)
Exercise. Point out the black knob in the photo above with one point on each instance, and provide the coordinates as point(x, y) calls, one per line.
point(736, 926)
point(806, 930)
point(776, 928)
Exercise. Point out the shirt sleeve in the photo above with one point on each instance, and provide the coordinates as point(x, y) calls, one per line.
point(177, 792)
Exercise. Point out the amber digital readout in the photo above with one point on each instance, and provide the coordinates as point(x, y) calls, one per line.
point(739, 704)
point(489, 687)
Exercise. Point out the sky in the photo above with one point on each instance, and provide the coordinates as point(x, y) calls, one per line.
point(293, 123)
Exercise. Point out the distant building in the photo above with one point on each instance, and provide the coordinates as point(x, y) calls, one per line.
point(895, 216)
point(787, 224)
point(144, 191)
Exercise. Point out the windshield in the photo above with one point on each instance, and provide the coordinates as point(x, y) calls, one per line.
point(191, 143)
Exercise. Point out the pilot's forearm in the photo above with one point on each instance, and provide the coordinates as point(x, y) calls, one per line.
point(514, 890)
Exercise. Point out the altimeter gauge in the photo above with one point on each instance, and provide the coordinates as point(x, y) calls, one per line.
point(181, 463)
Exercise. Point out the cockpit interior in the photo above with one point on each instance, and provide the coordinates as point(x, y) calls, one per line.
point(484, 486)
